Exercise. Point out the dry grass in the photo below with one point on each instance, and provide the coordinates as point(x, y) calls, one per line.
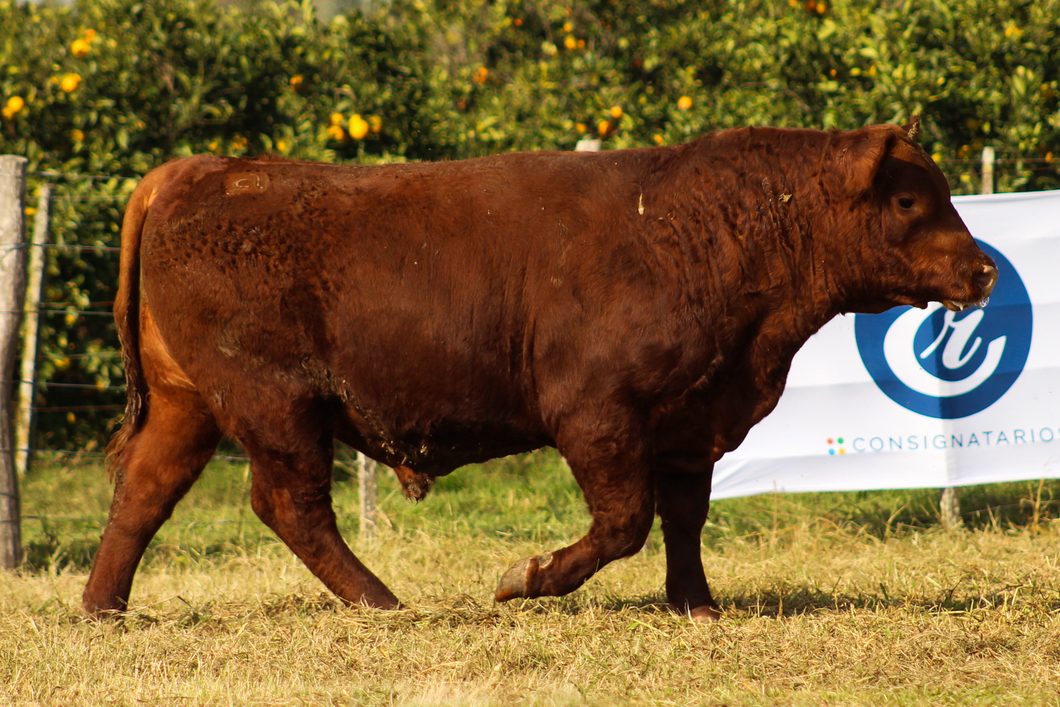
point(821, 610)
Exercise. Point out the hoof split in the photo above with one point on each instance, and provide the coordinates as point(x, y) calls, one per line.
point(517, 582)
point(704, 614)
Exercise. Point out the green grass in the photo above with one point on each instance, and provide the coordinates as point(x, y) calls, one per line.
point(852, 598)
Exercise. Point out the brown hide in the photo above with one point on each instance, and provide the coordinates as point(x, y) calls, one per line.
point(637, 309)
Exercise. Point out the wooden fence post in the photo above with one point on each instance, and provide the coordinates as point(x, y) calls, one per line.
point(950, 507)
point(950, 503)
point(987, 185)
point(12, 295)
point(369, 495)
point(24, 423)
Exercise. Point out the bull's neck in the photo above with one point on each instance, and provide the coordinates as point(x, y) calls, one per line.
point(753, 245)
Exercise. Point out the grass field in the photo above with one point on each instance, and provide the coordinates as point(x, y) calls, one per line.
point(830, 599)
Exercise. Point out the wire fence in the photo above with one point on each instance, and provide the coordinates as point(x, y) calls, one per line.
point(68, 378)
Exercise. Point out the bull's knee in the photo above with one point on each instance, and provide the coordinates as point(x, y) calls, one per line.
point(627, 538)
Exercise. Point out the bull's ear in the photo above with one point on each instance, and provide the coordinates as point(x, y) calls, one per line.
point(860, 160)
point(912, 130)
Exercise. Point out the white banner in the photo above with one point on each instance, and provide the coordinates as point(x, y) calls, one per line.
point(916, 398)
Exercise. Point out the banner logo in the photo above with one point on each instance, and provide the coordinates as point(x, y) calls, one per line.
point(945, 364)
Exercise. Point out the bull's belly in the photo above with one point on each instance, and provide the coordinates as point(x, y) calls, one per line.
point(438, 446)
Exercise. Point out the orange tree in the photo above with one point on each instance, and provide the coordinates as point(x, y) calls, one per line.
point(525, 75)
point(101, 91)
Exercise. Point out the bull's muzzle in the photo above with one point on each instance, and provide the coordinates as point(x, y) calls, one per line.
point(984, 279)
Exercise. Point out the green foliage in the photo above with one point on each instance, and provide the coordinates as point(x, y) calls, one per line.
point(102, 91)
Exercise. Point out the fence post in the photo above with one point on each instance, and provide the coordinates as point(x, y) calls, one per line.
point(12, 295)
point(987, 185)
point(369, 495)
point(24, 423)
point(950, 503)
point(950, 507)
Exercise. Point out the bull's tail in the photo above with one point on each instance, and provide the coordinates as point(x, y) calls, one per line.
point(127, 320)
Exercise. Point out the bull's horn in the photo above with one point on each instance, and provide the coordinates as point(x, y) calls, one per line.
point(912, 130)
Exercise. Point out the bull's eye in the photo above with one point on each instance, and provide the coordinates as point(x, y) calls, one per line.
point(906, 202)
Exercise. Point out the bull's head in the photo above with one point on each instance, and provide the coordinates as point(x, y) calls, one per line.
point(916, 248)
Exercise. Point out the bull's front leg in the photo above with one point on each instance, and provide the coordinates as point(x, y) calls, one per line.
point(683, 498)
point(608, 459)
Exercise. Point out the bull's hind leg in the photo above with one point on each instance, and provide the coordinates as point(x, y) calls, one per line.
point(611, 468)
point(291, 461)
point(157, 467)
point(683, 499)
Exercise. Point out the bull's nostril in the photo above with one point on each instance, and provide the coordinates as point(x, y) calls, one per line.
point(986, 278)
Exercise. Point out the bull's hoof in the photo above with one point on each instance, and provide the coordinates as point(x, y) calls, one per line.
point(101, 613)
point(384, 603)
point(518, 580)
point(705, 614)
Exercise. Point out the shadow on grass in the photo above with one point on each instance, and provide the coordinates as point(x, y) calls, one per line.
point(650, 611)
point(802, 600)
point(453, 611)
